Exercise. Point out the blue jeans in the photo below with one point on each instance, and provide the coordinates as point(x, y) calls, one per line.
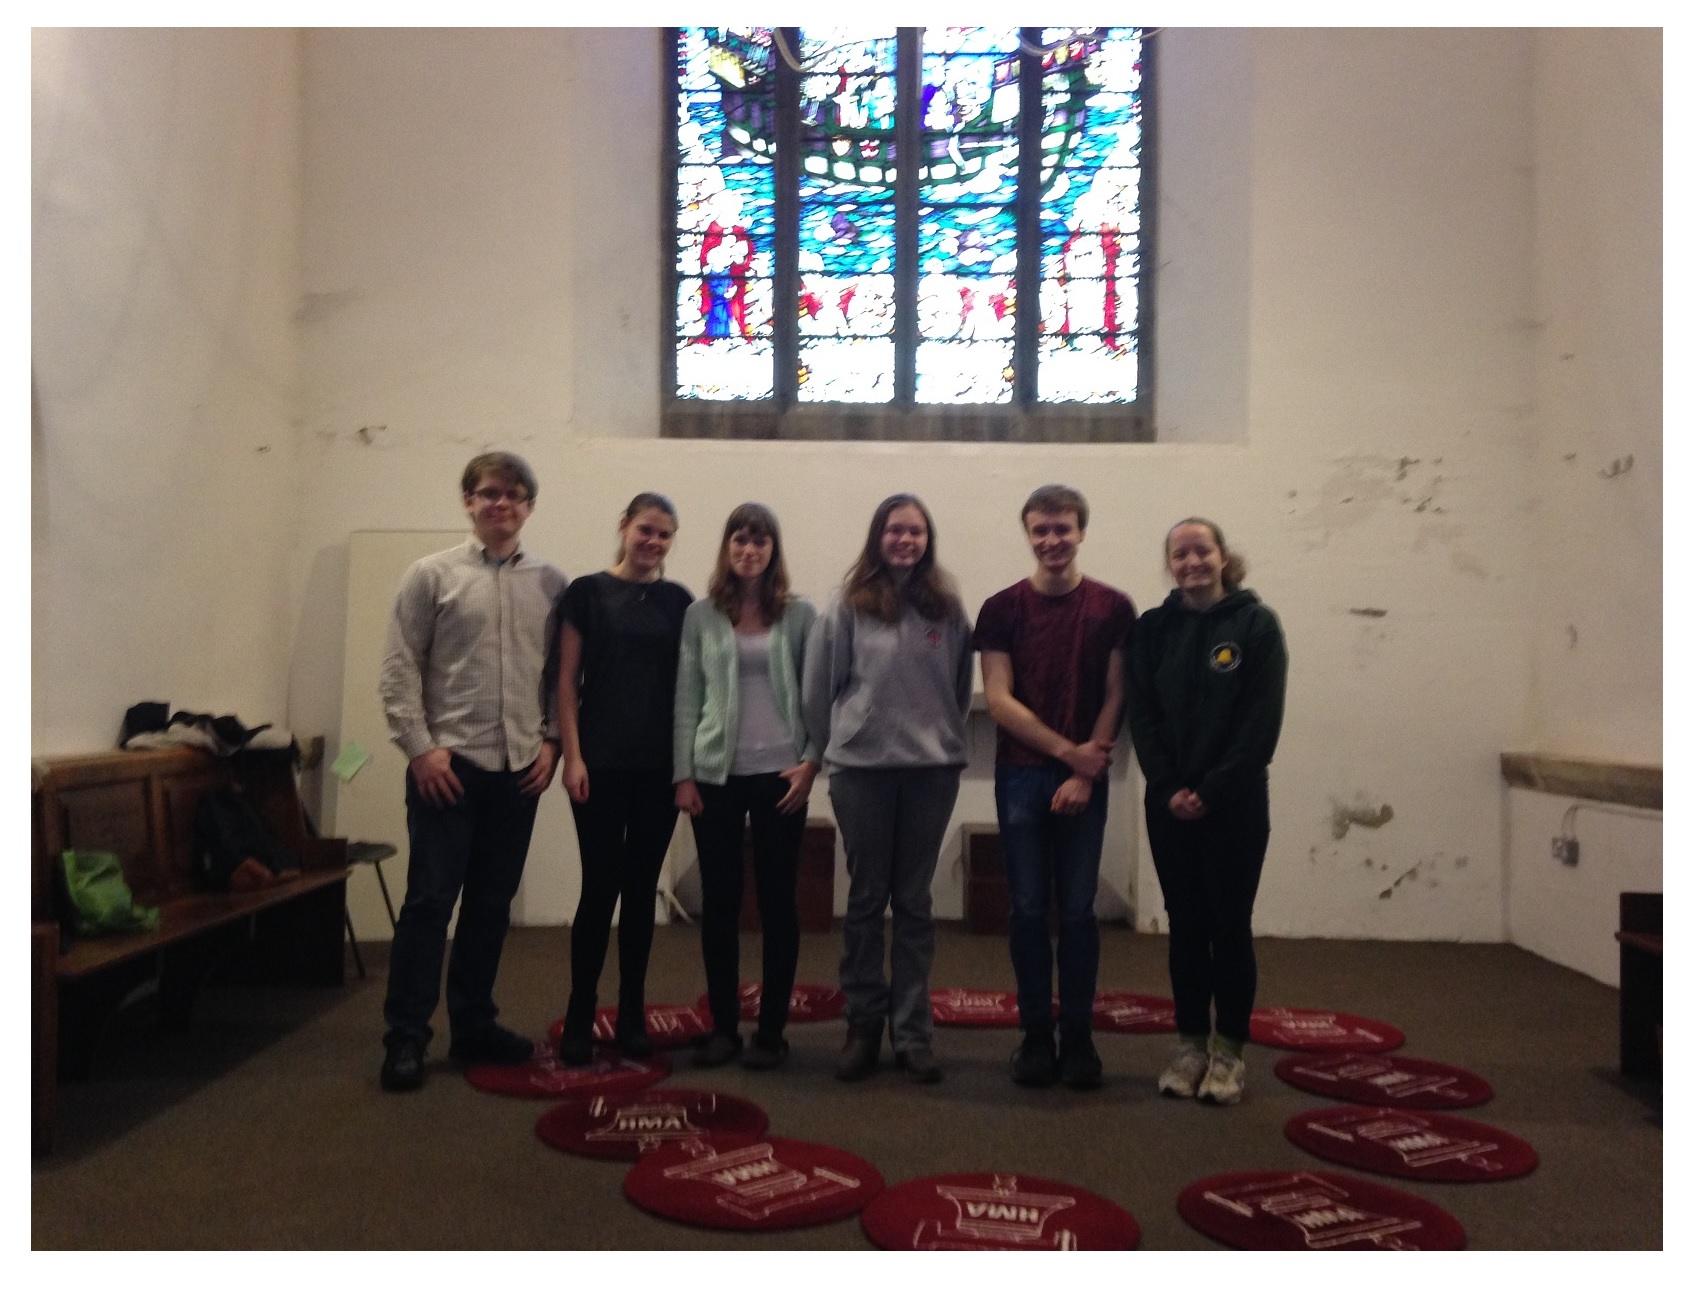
point(1046, 851)
point(475, 850)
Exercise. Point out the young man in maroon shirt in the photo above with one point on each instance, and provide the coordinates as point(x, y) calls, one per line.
point(1053, 672)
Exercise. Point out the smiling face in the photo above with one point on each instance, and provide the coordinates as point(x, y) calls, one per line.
point(646, 537)
point(1196, 562)
point(498, 507)
point(749, 554)
point(1054, 537)
point(905, 539)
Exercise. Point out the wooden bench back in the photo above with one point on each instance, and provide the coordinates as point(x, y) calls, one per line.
point(141, 805)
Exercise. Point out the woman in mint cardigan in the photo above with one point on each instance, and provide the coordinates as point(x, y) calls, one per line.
point(741, 751)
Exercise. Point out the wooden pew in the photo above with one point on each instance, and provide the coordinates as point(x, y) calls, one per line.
point(141, 805)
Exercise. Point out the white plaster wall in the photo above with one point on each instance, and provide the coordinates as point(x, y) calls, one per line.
point(164, 234)
point(480, 266)
point(1597, 478)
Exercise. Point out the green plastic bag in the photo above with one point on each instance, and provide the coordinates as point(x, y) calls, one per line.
point(101, 902)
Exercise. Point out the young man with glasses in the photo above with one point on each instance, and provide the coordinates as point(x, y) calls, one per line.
point(468, 700)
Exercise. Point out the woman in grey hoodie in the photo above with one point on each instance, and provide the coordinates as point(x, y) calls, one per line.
point(887, 689)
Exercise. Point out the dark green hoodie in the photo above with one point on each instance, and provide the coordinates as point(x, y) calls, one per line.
point(1206, 695)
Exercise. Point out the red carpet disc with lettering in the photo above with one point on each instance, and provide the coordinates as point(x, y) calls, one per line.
point(992, 1212)
point(1131, 1011)
point(957, 1007)
point(546, 1078)
point(808, 1003)
point(1385, 1080)
point(730, 1182)
point(627, 1126)
point(1321, 1029)
point(1412, 1144)
point(670, 1027)
point(1269, 1211)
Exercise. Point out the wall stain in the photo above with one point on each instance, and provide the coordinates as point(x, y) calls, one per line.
point(1344, 816)
point(315, 307)
point(1462, 863)
point(1574, 636)
point(1398, 882)
point(1621, 467)
point(1369, 612)
point(367, 434)
point(1403, 465)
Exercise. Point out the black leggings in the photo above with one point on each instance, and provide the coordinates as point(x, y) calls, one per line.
point(720, 834)
point(1209, 871)
point(624, 828)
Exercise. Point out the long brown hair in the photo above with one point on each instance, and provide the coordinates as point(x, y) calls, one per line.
point(773, 593)
point(644, 502)
point(1236, 568)
point(871, 590)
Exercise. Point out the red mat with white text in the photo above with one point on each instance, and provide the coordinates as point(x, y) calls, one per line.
point(958, 1007)
point(546, 1078)
point(729, 1182)
point(1131, 1011)
point(624, 1127)
point(808, 1003)
point(1413, 1144)
point(994, 1212)
point(1271, 1211)
point(1385, 1080)
point(1321, 1029)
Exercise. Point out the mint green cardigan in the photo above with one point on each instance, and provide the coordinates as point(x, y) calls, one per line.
point(707, 688)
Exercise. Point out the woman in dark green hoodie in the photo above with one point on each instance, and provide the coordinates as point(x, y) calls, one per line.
point(1207, 695)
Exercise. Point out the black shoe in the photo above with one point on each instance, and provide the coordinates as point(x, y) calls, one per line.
point(1080, 1065)
point(918, 1063)
point(496, 1044)
point(575, 1051)
point(765, 1052)
point(1034, 1062)
point(405, 1065)
point(719, 1048)
point(862, 1053)
point(634, 1044)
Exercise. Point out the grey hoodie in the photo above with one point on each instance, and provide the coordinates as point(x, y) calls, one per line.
point(880, 695)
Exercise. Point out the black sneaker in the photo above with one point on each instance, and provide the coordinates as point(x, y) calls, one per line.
point(1080, 1065)
point(1034, 1062)
point(718, 1048)
point(575, 1051)
point(765, 1052)
point(862, 1053)
point(405, 1065)
point(496, 1044)
point(919, 1063)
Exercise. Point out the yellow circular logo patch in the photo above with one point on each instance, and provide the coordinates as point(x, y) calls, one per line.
point(1225, 657)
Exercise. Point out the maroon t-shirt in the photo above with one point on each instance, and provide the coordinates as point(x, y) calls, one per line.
point(1059, 648)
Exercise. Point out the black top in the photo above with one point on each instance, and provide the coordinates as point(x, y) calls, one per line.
point(630, 636)
point(1206, 695)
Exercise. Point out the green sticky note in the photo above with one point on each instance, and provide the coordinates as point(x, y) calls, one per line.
point(351, 760)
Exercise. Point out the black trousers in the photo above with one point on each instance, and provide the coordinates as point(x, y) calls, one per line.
point(720, 834)
point(474, 849)
point(624, 828)
point(1209, 871)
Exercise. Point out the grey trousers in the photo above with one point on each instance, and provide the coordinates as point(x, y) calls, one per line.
point(892, 822)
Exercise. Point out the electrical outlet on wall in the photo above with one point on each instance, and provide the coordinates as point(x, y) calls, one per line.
point(1567, 851)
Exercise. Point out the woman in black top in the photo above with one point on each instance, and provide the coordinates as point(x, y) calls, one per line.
point(1207, 694)
point(620, 636)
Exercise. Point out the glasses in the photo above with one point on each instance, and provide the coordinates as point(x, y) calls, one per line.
point(489, 494)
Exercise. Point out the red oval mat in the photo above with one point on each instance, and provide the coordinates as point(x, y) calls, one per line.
point(958, 1007)
point(728, 1182)
point(1131, 1011)
point(627, 1126)
point(1315, 1211)
point(1321, 1029)
point(808, 1003)
point(545, 1078)
point(1385, 1080)
point(1412, 1144)
point(669, 1026)
point(988, 1212)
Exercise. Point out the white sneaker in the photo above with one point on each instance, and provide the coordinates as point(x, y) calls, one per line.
point(1223, 1083)
point(1184, 1074)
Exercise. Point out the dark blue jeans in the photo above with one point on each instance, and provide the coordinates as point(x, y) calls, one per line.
point(474, 849)
point(1047, 852)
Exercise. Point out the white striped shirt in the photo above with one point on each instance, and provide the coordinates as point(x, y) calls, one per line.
point(465, 657)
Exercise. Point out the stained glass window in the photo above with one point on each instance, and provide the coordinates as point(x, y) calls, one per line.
point(907, 219)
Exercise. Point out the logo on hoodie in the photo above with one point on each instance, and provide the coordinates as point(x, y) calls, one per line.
point(1225, 657)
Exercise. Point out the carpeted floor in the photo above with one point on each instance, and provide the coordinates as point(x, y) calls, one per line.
point(264, 1126)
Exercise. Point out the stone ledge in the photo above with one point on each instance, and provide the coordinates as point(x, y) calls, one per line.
point(1630, 784)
